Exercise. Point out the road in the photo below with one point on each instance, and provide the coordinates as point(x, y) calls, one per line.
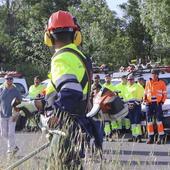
point(117, 155)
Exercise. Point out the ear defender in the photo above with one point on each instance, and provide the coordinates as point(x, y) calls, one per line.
point(77, 38)
point(48, 40)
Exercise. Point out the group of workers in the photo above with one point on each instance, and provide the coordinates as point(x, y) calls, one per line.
point(152, 93)
point(67, 95)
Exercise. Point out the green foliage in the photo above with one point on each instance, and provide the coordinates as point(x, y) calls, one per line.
point(22, 41)
point(140, 40)
point(98, 27)
point(143, 31)
point(155, 16)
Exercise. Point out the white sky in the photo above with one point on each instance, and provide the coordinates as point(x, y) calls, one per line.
point(113, 5)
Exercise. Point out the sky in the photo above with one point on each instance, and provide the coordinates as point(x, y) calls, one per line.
point(113, 5)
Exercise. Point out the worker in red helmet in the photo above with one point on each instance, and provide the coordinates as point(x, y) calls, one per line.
point(68, 91)
point(62, 21)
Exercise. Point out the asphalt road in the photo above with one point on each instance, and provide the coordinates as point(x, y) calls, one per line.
point(118, 155)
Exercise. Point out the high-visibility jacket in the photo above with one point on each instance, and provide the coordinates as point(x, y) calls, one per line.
point(140, 91)
point(35, 90)
point(67, 72)
point(134, 92)
point(123, 90)
point(155, 91)
point(110, 86)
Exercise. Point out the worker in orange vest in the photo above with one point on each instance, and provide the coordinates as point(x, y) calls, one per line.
point(155, 96)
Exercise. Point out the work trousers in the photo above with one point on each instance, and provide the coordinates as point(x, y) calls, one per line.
point(154, 110)
point(7, 128)
point(135, 114)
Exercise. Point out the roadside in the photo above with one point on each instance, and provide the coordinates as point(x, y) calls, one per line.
point(116, 155)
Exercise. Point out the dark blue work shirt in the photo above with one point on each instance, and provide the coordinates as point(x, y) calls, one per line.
point(6, 97)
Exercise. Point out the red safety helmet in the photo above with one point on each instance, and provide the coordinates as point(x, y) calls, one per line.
point(61, 19)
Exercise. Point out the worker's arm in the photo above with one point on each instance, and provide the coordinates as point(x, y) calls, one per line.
point(164, 91)
point(69, 90)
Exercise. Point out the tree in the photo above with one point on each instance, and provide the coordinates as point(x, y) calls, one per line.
point(98, 27)
point(155, 16)
point(140, 40)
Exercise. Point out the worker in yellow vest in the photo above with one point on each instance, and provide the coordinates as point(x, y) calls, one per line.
point(124, 124)
point(108, 127)
point(36, 89)
point(68, 92)
point(108, 84)
point(111, 127)
point(134, 97)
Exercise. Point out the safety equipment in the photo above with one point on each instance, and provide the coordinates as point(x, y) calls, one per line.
point(107, 128)
point(110, 103)
point(74, 76)
point(160, 128)
point(123, 90)
point(134, 93)
point(150, 129)
point(62, 21)
point(111, 106)
point(75, 65)
point(110, 86)
point(155, 91)
point(77, 38)
point(48, 40)
point(35, 91)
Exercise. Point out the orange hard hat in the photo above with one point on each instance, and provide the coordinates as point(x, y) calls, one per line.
point(61, 19)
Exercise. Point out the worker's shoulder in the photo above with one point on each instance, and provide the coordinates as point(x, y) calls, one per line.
point(32, 86)
point(69, 50)
point(162, 82)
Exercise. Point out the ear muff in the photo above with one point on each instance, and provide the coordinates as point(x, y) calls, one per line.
point(77, 38)
point(48, 39)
